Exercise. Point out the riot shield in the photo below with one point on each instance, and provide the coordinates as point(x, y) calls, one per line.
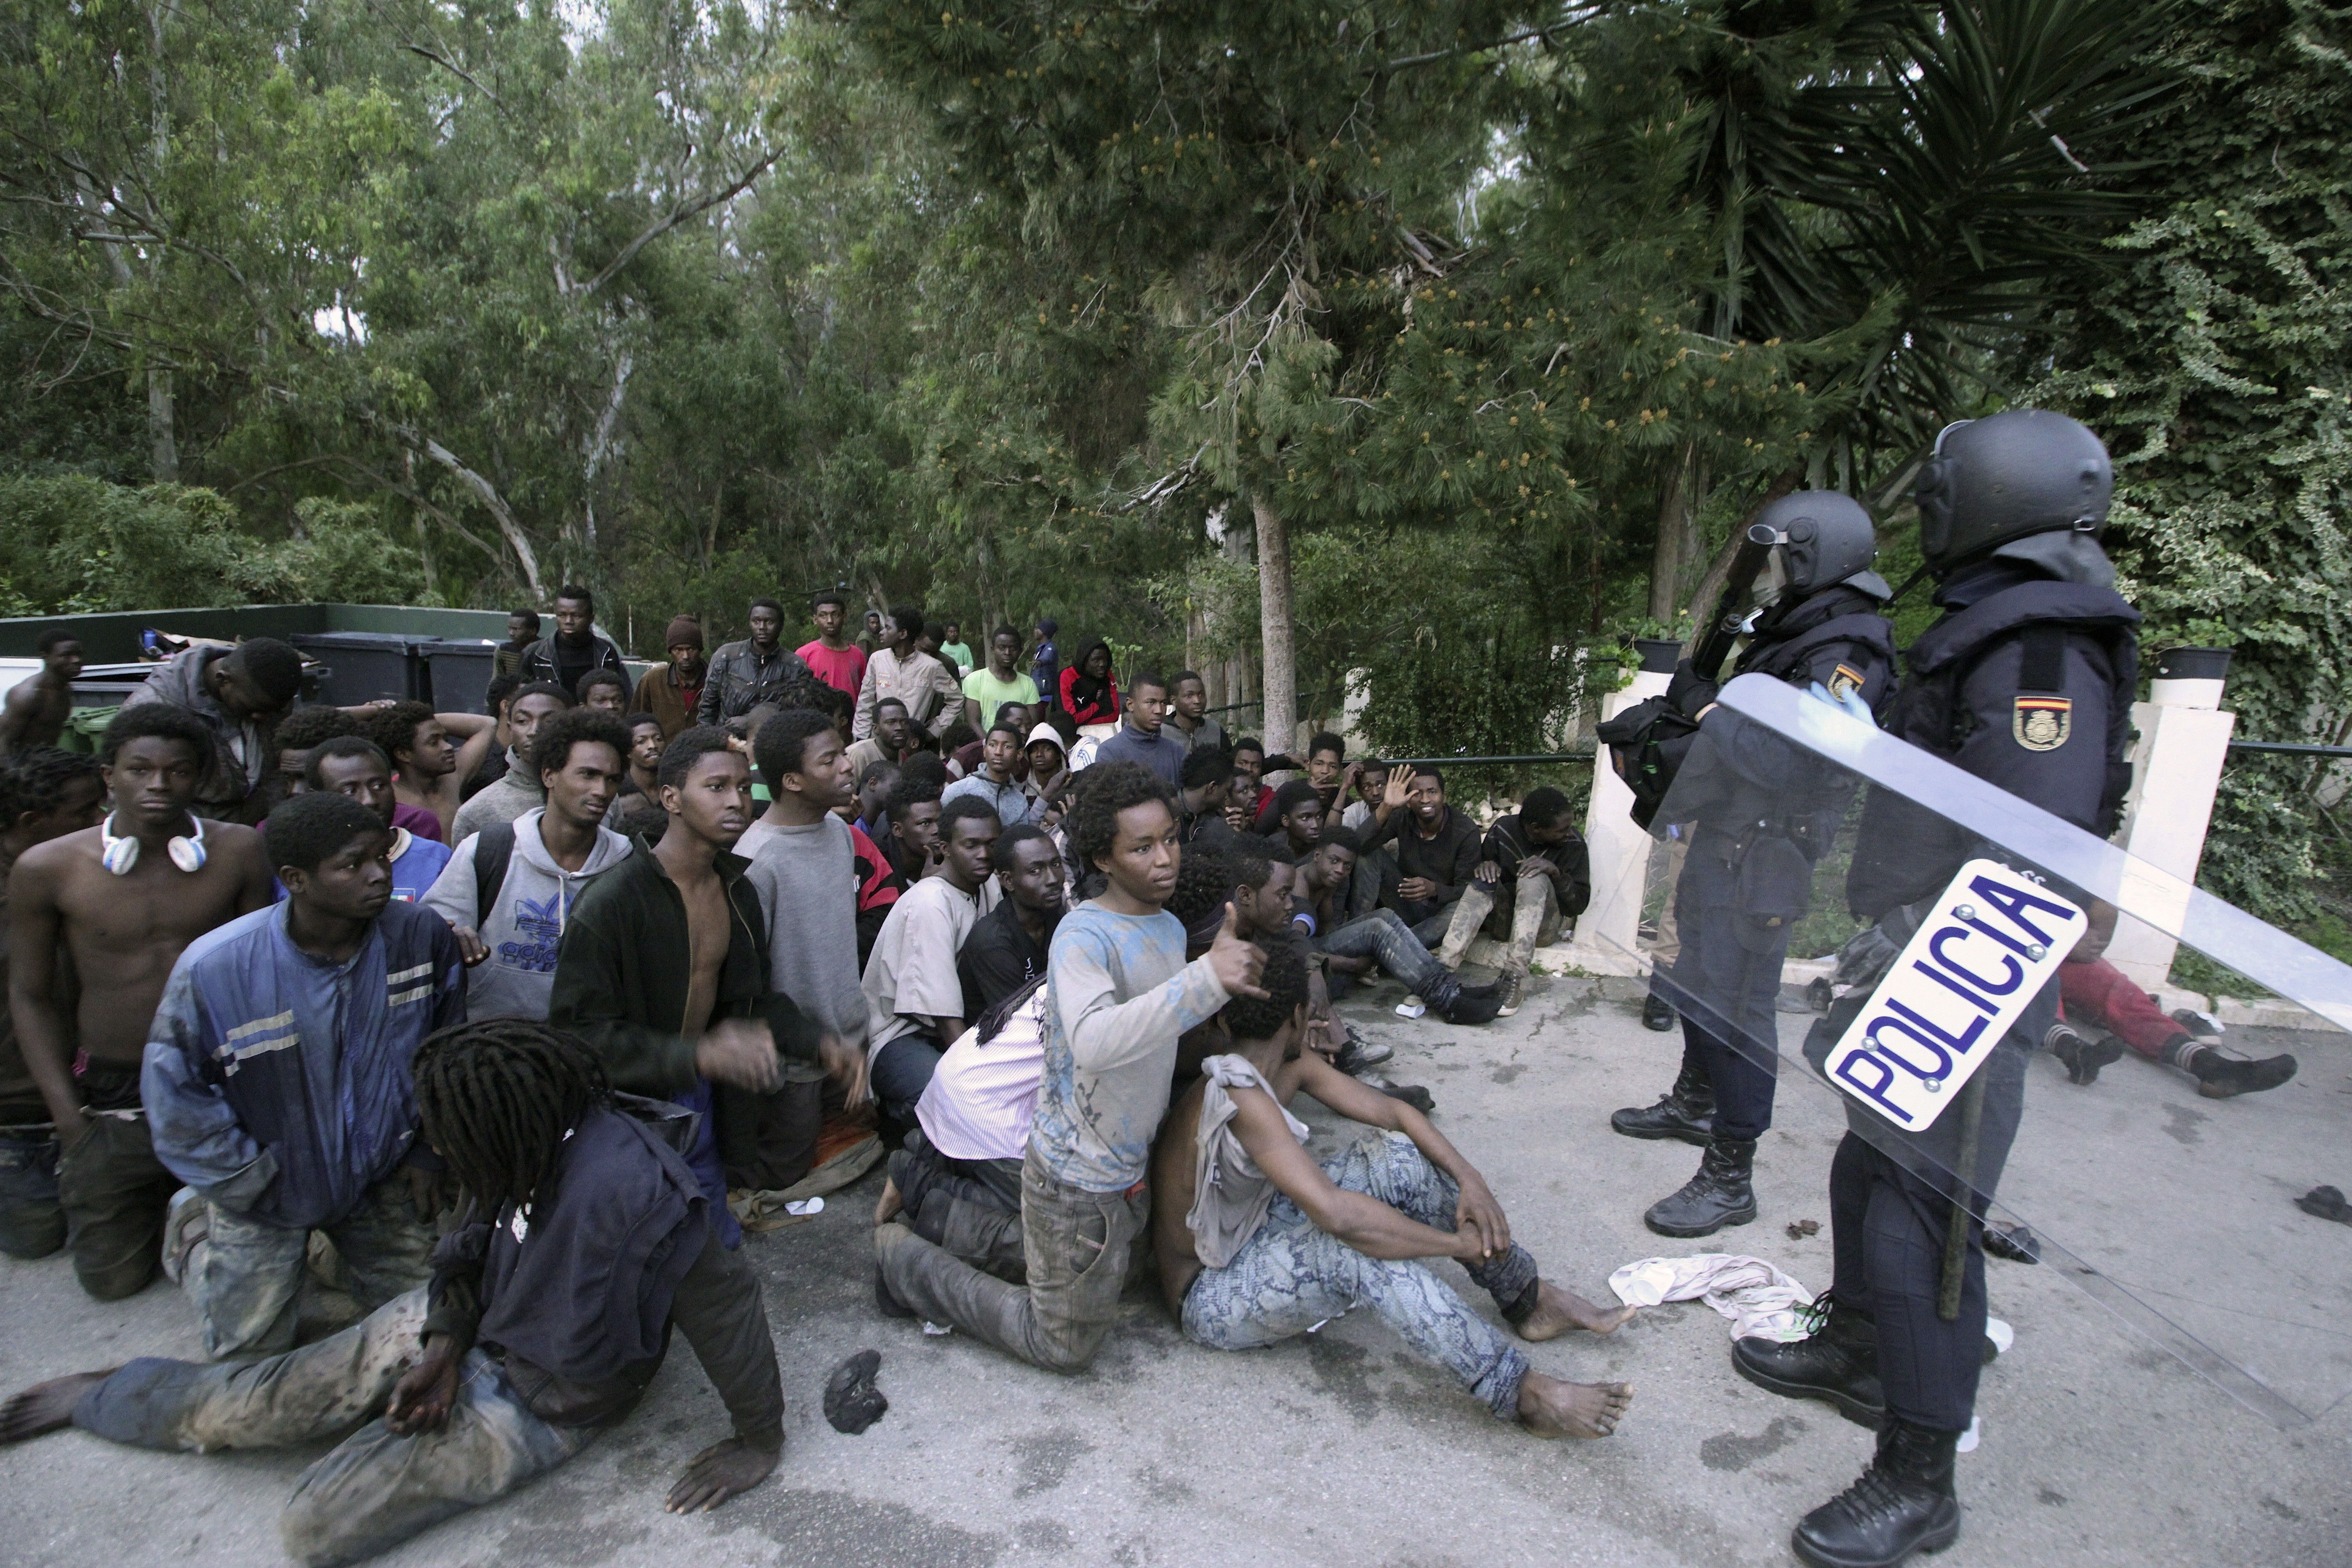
point(1928, 1020)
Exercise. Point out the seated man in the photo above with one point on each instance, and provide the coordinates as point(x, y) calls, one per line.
point(276, 1081)
point(355, 766)
point(1326, 889)
point(2101, 996)
point(893, 740)
point(914, 999)
point(914, 846)
point(1298, 816)
point(1007, 947)
point(514, 1358)
point(1326, 768)
point(1257, 1243)
point(1537, 853)
point(1205, 788)
point(1121, 993)
point(1436, 850)
point(509, 889)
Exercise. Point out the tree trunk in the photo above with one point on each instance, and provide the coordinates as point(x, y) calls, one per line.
point(163, 450)
point(1276, 634)
point(1711, 582)
point(1678, 541)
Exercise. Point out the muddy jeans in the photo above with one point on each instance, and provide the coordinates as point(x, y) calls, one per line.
point(31, 1223)
point(1291, 1277)
point(1383, 936)
point(1076, 1243)
point(970, 1209)
point(112, 1188)
point(245, 1275)
point(1535, 922)
point(376, 1489)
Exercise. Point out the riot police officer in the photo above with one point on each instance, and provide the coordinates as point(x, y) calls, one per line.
point(2026, 681)
point(1762, 812)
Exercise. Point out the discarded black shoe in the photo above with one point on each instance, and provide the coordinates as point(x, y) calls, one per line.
point(2326, 1202)
point(2014, 1242)
point(1413, 1094)
point(852, 1403)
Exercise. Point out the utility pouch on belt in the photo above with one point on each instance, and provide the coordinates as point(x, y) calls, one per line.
point(1647, 744)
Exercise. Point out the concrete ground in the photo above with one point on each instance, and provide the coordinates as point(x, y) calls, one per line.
point(2099, 1448)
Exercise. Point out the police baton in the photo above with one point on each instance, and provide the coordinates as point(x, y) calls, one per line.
point(1956, 1239)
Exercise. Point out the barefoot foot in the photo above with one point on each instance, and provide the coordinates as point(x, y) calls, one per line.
point(47, 1406)
point(887, 1209)
point(1551, 1408)
point(1558, 1311)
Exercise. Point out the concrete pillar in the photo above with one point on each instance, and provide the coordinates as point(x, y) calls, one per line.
point(1607, 933)
point(2184, 739)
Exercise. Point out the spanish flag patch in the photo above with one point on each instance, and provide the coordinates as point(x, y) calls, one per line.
point(1844, 681)
point(2042, 723)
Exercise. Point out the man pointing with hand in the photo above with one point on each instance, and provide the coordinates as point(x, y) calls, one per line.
point(1122, 994)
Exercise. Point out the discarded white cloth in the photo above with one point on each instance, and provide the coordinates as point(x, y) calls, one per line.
point(1761, 1300)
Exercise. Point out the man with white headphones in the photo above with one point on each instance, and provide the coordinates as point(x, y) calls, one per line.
point(121, 899)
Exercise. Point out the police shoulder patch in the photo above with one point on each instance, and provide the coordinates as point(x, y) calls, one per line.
point(1845, 681)
point(2042, 723)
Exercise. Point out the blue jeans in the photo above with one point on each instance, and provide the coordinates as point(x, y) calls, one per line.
point(1291, 1277)
point(901, 1070)
point(1383, 936)
point(32, 1225)
point(376, 1489)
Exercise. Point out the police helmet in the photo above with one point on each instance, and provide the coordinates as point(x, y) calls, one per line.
point(2022, 472)
point(1826, 536)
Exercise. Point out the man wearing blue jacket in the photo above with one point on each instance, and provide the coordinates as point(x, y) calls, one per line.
point(276, 1081)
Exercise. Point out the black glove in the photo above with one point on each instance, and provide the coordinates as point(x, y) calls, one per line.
point(1686, 693)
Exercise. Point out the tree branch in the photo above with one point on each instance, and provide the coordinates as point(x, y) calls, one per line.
point(676, 215)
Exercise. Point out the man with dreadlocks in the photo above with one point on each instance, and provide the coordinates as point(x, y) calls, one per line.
point(586, 1240)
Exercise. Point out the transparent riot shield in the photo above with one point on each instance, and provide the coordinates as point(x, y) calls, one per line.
point(1928, 1022)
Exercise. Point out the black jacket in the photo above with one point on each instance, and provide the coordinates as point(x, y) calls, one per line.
point(539, 662)
point(620, 1251)
point(623, 966)
point(1506, 844)
point(1449, 859)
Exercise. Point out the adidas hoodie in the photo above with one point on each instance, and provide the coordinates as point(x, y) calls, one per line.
point(524, 924)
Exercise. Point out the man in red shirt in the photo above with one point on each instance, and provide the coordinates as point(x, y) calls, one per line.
point(837, 661)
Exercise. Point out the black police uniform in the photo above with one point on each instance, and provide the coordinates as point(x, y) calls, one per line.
point(1763, 811)
point(2026, 682)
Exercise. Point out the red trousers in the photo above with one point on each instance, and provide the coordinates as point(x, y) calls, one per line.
point(2098, 992)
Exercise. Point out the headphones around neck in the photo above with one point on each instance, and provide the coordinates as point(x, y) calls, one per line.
point(119, 855)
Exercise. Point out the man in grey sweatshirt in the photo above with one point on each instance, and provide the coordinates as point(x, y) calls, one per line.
point(552, 855)
point(803, 873)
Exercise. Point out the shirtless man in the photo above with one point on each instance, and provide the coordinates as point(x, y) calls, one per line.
point(171, 880)
point(1257, 1243)
point(433, 755)
point(36, 709)
point(664, 965)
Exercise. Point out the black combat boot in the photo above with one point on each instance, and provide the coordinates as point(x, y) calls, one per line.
point(1720, 1195)
point(1837, 1362)
point(1687, 1113)
point(1657, 1013)
point(1903, 1503)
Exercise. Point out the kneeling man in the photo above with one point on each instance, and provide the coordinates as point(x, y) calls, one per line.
point(1274, 1244)
point(548, 1314)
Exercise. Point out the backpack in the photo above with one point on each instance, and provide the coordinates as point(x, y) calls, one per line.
point(493, 848)
point(1647, 744)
